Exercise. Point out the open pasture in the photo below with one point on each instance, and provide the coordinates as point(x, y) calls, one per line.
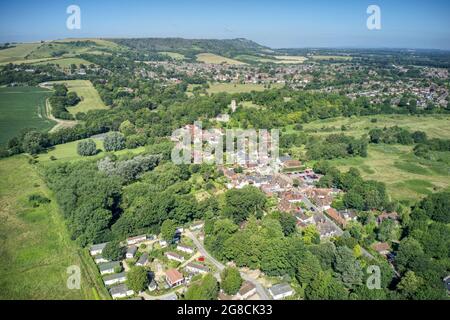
point(90, 99)
point(21, 108)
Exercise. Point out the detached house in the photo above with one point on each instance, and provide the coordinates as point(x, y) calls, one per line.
point(136, 240)
point(100, 259)
point(247, 290)
point(120, 291)
point(333, 214)
point(174, 278)
point(97, 249)
point(131, 252)
point(174, 256)
point(186, 249)
point(143, 259)
point(115, 278)
point(109, 267)
point(382, 248)
point(281, 291)
point(196, 268)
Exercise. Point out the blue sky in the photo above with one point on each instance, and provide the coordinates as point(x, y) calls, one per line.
point(280, 23)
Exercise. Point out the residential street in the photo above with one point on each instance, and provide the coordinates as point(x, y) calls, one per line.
point(259, 288)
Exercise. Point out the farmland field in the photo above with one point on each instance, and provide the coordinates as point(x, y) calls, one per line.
point(290, 59)
point(20, 108)
point(90, 99)
point(64, 62)
point(35, 247)
point(216, 59)
point(273, 59)
point(174, 55)
point(340, 58)
point(17, 53)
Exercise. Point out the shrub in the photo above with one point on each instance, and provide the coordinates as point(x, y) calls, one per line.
point(114, 141)
point(36, 200)
point(87, 148)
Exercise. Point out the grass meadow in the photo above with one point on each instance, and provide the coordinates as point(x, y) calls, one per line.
point(90, 99)
point(35, 247)
point(64, 63)
point(68, 152)
point(436, 126)
point(407, 177)
point(20, 108)
point(216, 59)
point(18, 53)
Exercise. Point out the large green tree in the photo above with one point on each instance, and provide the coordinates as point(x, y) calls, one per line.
point(113, 251)
point(240, 203)
point(137, 279)
point(231, 280)
point(348, 267)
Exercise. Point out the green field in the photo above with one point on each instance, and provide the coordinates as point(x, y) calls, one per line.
point(436, 126)
point(17, 53)
point(64, 63)
point(337, 58)
point(216, 59)
point(407, 177)
point(174, 55)
point(272, 59)
point(90, 99)
point(59, 51)
point(68, 152)
point(20, 108)
point(35, 248)
point(64, 48)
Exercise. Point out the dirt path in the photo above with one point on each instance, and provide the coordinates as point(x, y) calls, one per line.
point(60, 124)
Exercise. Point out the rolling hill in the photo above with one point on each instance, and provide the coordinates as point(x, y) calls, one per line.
point(190, 47)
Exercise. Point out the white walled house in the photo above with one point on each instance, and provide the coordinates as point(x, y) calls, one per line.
point(97, 249)
point(281, 291)
point(131, 252)
point(186, 249)
point(136, 240)
point(196, 268)
point(120, 291)
point(108, 268)
point(174, 256)
point(115, 278)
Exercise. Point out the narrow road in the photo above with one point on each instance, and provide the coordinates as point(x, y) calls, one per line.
point(259, 288)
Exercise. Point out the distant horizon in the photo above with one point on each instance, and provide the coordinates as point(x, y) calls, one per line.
point(276, 48)
point(412, 24)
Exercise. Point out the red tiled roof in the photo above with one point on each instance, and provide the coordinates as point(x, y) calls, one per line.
point(173, 275)
point(333, 214)
point(381, 246)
